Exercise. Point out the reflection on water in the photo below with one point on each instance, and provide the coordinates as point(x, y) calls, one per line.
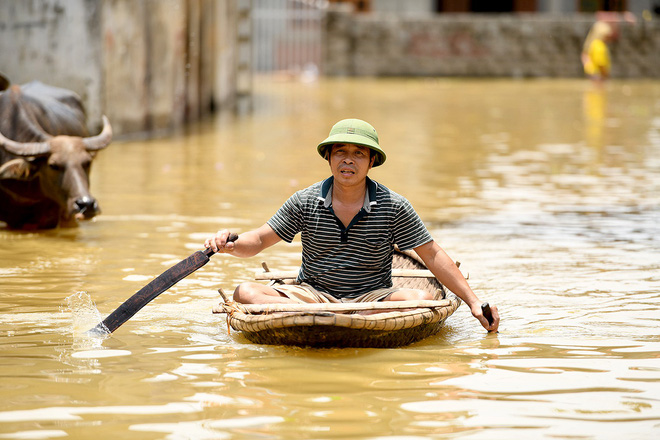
point(546, 191)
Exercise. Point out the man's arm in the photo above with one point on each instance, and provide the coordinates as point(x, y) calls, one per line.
point(248, 243)
point(448, 274)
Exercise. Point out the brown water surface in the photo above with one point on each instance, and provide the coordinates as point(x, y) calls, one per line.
point(547, 191)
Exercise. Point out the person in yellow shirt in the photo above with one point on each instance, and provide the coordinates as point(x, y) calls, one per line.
point(595, 53)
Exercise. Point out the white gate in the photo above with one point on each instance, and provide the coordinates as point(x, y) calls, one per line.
point(286, 36)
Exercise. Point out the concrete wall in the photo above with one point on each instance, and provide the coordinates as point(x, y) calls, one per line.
point(502, 45)
point(148, 65)
point(54, 42)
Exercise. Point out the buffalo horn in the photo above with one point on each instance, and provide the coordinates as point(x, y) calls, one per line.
point(24, 148)
point(102, 139)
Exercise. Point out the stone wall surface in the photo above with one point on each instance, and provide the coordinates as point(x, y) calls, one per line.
point(502, 45)
point(54, 42)
point(148, 65)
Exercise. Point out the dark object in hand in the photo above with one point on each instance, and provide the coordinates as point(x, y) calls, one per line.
point(485, 309)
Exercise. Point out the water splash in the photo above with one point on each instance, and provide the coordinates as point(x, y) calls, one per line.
point(85, 317)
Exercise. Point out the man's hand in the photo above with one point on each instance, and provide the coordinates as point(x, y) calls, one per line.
point(222, 241)
point(480, 313)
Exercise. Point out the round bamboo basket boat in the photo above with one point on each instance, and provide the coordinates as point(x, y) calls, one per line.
point(340, 324)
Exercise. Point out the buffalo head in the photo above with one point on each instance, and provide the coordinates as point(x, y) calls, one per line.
point(57, 169)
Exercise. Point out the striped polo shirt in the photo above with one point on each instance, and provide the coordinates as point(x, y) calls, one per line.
point(349, 261)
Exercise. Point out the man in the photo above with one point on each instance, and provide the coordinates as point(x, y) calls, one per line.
point(349, 225)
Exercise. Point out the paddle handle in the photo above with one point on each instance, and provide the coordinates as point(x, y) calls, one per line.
point(488, 314)
point(208, 251)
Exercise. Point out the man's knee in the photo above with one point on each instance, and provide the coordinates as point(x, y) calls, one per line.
point(246, 292)
point(254, 293)
point(411, 295)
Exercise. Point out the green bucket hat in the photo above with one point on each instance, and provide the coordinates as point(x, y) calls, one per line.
point(353, 131)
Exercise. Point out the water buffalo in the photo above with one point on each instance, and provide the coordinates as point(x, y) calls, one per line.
point(45, 157)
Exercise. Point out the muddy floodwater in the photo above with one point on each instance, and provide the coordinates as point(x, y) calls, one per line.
point(547, 192)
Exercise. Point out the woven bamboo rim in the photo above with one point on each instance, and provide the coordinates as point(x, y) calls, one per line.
point(242, 319)
point(264, 309)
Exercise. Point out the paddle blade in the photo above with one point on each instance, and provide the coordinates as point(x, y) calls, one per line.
point(147, 294)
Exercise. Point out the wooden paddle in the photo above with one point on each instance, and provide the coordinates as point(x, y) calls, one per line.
point(149, 292)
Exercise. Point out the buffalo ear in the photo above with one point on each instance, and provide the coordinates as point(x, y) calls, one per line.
point(16, 169)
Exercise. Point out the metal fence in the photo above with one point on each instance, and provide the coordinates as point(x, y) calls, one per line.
point(287, 36)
